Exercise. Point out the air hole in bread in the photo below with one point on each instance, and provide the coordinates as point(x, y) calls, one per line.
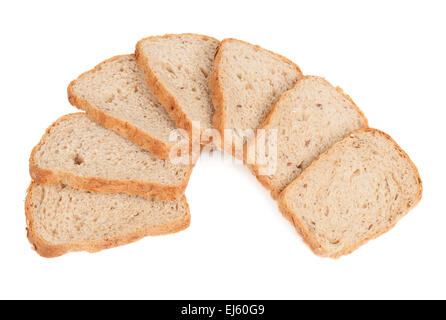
point(78, 160)
point(170, 70)
point(110, 98)
point(204, 72)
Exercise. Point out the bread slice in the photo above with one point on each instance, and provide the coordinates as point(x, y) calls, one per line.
point(246, 81)
point(177, 69)
point(309, 118)
point(61, 219)
point(81, 153)
point(115, 95)
point(357, 190)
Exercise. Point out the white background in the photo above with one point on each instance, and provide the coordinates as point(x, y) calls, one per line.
point(388, 55)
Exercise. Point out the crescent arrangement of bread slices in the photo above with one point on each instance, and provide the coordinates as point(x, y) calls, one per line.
point(106, 177)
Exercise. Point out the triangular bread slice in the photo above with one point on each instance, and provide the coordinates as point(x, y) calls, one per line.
point(309, 118)
point(115, 95)
point(246, 81)
point(357, 190)
point(78, 152)
point(61, 219)
point(177, 69)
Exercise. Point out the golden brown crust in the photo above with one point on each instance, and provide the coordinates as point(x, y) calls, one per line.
point(159, 90)
point(48, 250)
point(218, 100)
point(254, 168)
point(124, 128)
point(146, 189)
point(264, 180)
point(308, 237)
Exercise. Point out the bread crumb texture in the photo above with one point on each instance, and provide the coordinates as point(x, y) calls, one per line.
point(309, 118)
point(357, 190)
point(84, 148)
point(182, 64)
point(246, 82)
point(62, 219)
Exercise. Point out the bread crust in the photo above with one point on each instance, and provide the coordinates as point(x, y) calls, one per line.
point(308, 237)
point(254, 168)
point(218, 99)
point(124, 128)
point(146, 189)
point(159, 90)
point(48, 250)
